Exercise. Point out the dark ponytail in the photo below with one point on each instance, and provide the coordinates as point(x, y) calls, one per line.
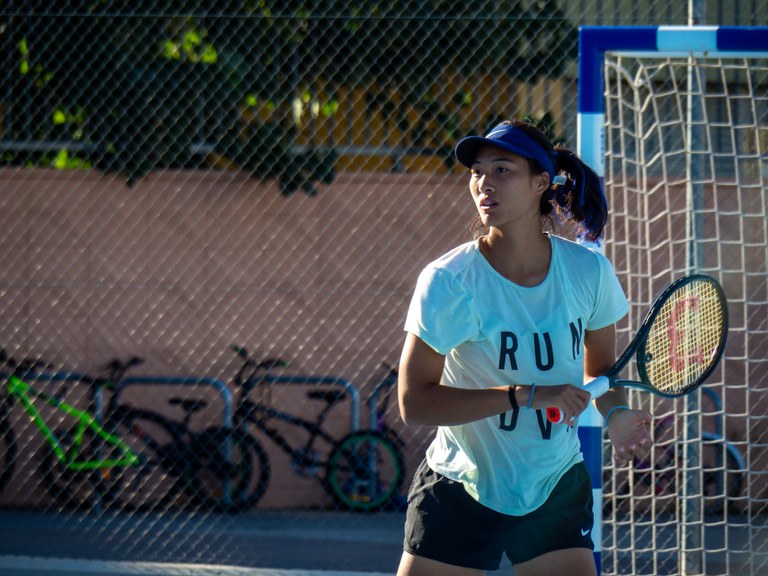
point(575, 196)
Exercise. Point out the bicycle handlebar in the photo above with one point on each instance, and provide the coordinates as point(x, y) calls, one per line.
point(249, 364)
point(117, 369)
point(23, 365)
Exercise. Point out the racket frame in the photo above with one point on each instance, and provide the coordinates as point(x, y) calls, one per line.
point(637, 348)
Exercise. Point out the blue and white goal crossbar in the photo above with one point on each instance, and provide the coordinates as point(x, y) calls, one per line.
point(657, 41)
point(653, 41)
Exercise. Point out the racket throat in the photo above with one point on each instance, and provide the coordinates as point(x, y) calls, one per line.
point(598, 386)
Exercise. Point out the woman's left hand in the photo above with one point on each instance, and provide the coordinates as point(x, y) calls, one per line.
point(630, 434)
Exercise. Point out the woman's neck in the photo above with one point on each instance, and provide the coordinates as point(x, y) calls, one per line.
point(522, 259)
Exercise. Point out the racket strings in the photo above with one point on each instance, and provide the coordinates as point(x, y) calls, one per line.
point(685, 337)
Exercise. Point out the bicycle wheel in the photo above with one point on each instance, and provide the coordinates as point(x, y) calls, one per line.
point(365, 471)
point(155, 482)
point(7, 450)
point(722, 473)
point(232, 469)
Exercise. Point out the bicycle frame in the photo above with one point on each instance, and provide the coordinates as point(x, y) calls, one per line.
point(25, 394)
point(349, 470)
point(256, 414)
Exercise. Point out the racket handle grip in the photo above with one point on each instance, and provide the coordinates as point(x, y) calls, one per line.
point(596, 388)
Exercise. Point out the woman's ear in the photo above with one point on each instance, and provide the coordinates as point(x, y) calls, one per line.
point(542, 182)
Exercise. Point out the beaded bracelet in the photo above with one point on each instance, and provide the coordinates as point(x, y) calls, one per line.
point(530, 397)
point(612, 410)
point(512, 399)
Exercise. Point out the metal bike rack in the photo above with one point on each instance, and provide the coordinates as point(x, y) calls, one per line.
point(98, 393)
point(149, 380)
point(221, 387)
point(226, 396)
point(218, 385)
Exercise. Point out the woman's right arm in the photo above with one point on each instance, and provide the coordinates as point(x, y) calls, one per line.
point(425, 402)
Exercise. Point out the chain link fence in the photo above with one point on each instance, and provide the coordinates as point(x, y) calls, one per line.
point(214, 216)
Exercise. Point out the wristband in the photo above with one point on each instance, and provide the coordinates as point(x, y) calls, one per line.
point(612, 410)
point(512, 399)
point(530, 398)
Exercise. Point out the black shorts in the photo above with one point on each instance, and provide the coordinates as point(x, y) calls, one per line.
point(446, 524)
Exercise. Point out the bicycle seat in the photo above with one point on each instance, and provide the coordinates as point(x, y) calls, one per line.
point(330, 396)
point(189, 405)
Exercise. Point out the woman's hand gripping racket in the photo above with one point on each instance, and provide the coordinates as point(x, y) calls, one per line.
point(678, 345)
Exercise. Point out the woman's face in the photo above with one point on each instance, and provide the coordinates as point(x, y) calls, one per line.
point(503, 188)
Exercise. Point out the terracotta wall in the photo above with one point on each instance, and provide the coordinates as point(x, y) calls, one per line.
point(182, 265)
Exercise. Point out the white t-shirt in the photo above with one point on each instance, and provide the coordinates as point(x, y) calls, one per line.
point(496, 333)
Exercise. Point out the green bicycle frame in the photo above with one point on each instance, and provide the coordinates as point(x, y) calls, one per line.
point(24, 393)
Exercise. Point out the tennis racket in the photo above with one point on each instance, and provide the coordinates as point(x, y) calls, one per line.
point(678, 345)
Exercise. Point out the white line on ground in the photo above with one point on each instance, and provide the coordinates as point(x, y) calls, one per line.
point(28, 566)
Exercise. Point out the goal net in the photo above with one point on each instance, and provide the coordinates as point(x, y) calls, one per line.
point(676, 121)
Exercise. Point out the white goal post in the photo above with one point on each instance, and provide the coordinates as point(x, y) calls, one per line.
point(675, 121)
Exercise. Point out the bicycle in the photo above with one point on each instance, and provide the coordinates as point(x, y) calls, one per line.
point(90, 463)
point(723, 466)
point(363, 471)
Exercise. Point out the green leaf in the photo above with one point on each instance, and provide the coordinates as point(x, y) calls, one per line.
point(61, 162)
point(190, 40)
point(59, 117)
point(171, 50)
point(330, 108)
point(209, 55)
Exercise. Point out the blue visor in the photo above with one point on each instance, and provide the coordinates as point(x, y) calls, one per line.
point(506, 137)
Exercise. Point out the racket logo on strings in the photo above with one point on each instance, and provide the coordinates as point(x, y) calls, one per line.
point(684, 317)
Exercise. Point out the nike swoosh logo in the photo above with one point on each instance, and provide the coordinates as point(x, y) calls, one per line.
point(585, 532)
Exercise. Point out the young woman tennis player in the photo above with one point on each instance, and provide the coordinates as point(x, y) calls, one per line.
point(498, 330)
